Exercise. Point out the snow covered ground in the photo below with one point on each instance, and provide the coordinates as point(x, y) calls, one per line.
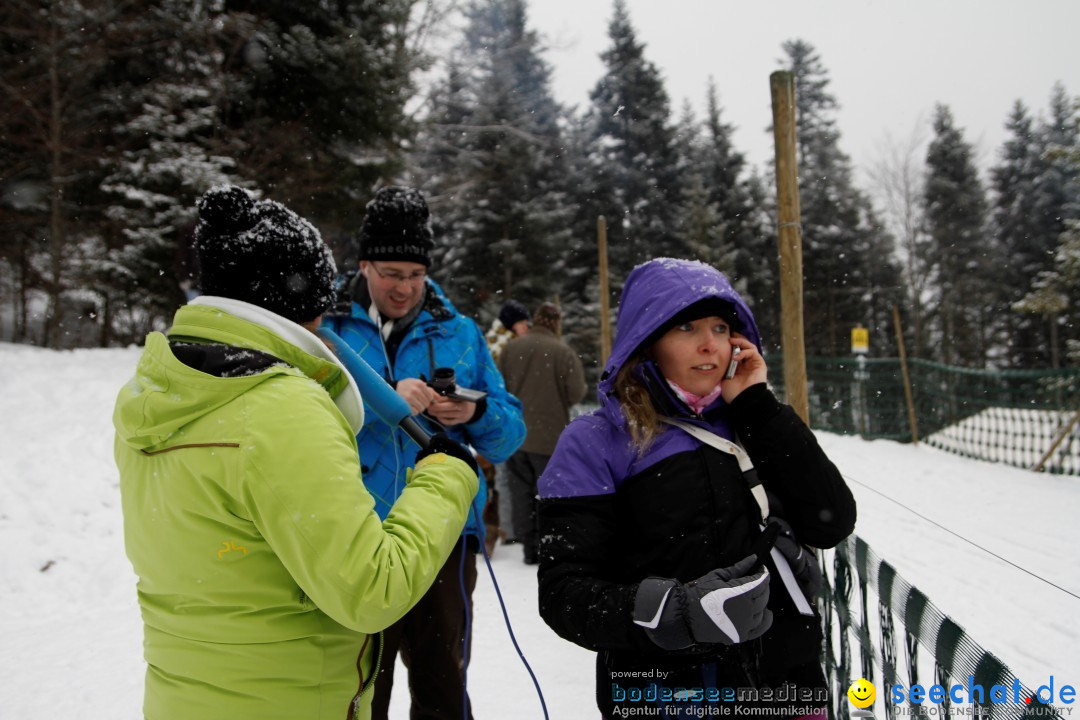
point(70, 635)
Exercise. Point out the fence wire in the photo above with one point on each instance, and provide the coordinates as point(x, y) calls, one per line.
point(1007, 416)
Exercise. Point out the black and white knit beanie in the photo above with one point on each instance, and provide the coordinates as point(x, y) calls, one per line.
point(260, 252)
point(397, 227)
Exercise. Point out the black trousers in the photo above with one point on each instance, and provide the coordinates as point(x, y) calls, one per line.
point(431, 639)
point(524, 469)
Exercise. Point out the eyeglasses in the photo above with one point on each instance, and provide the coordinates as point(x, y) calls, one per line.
point(413, 278)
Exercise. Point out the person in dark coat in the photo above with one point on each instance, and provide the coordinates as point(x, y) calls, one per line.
point(656, 529)
point(546, 375)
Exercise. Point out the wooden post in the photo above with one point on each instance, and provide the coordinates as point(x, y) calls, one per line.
point(790, 240)
point(912, 421)
point(1065, 430)
point(605, 293)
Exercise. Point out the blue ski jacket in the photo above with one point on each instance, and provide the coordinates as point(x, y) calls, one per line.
point(439, 337)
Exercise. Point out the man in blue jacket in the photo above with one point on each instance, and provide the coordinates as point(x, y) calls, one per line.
point(403, 325)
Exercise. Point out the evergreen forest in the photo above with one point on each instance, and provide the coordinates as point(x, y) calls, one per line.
point(117, 116)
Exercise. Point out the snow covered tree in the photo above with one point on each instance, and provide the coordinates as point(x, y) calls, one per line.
point(582, 301)
point(167, 153)
point(697, 217)
point(1022, 230)
point(634, 157)
point(492, 159)
point(1037, 217)
point(850, 273)
point(1054, 296)
point(118, 114)
point(55, 58)
point(1058, 186)
point(314, 94)
point(966, 262)
point(743, 217)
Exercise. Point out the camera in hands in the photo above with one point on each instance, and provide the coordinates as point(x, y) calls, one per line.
point(443, 382)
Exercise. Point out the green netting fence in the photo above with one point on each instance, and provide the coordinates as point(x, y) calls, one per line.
point(1008, 416)
point(881, 628)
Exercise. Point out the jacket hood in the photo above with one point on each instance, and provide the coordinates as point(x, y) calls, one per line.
point(165, 394)
point(654, 293)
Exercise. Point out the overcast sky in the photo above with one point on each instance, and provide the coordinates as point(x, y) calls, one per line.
point(889, 61)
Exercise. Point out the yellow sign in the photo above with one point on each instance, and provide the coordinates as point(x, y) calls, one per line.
point(860, 340)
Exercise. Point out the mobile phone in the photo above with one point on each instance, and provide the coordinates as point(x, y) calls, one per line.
point(734, 364)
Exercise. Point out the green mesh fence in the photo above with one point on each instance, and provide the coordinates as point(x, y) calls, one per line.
point(906, 640)
point(1008, 416)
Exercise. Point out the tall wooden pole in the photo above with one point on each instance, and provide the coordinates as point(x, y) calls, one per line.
point(906, 377)
point(790, 239)
point(605, 294)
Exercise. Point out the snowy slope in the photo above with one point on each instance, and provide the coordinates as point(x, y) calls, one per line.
point(70, 628)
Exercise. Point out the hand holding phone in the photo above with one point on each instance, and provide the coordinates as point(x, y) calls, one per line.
point(734, 364)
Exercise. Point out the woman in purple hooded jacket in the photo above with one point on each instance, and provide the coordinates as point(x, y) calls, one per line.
point(656, 527)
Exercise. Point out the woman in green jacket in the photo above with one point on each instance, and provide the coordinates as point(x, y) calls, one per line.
point(264, 573)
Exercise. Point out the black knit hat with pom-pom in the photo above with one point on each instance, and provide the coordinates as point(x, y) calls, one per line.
point(397, 227)
point(261, 252)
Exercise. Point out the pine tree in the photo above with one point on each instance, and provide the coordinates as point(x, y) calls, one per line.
point(494, 150)
point(634, 159)
point(119, 114)
point(742, 214)
point(582, 324)
point(1054, 296)
point(1058, 186)
point(167, 153)
point(850, 272)
point(698, 224)
point(964, 256)
point(55, 59)
point(314, 100)
point(1044, 250)
point(1021, 230)
point(697, 217)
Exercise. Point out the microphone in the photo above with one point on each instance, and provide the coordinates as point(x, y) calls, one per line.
point(376, 392)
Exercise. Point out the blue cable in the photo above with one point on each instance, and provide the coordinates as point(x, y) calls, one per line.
point(506, 621)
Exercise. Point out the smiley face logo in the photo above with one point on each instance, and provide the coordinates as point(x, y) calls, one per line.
point(861, 694)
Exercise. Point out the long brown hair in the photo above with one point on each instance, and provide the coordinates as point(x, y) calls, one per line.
point(641, 414)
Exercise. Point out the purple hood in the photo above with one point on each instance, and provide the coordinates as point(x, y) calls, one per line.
point(654, 292)
point(594, 455)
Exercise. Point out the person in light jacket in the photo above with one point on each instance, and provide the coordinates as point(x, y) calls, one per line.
point(265, 575)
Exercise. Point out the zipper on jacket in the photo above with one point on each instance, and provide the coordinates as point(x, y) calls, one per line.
point(354, 706)
point(189, 446)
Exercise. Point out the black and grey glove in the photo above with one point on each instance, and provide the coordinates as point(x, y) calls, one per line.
point(803, 561)
point(724, 606)
point(441, 443)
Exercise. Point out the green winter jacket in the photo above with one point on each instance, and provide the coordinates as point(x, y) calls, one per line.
point(264, 574)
